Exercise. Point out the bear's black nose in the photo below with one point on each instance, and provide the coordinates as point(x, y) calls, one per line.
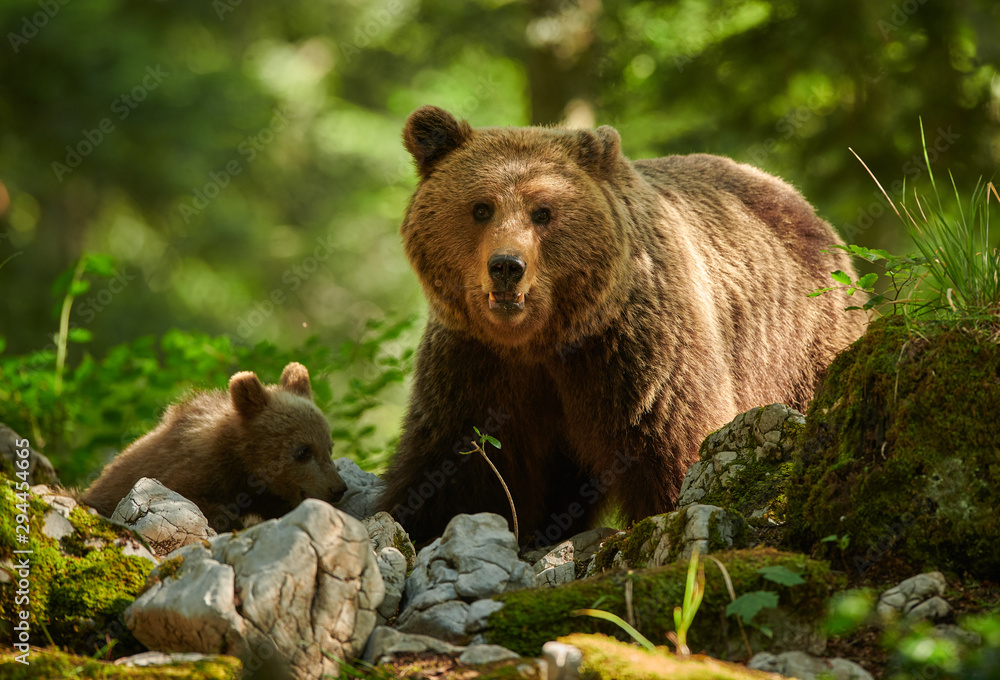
point(505, 269)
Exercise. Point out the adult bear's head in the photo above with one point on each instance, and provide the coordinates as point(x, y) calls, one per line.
point(516, 233)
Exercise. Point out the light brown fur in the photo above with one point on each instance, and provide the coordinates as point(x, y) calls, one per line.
point(660, 298)
point(253, 452)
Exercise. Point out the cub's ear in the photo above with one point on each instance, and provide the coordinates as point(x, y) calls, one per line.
point(247, 394)
point(431, 134)
point(598, 150)
point(295, 379)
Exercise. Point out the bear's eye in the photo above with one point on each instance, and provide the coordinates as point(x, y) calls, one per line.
point(302, 452)
point(482, 212)
point(541, 216)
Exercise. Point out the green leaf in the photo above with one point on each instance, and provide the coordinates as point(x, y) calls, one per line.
point(78, 288)
point(493, 441)
point(747, 606)
point(766, 630)
point(828, 539)
point(841, 277)
point(79, 335)
point(478, 433)
point(868, 280)
point(618, 621)
point(781, 575)
point(877, 300)
point(100, 265)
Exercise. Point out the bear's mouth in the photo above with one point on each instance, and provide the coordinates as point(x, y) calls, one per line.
point(509, 301)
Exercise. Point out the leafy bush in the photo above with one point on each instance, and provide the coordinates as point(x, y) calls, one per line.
point(955, 275)
point(84, 413)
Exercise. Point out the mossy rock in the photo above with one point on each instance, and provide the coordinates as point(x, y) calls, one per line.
point(45, 664)
point(901, 451)
point(606, 658)
point(530, 618)
point(662, 538)
point(78, 587)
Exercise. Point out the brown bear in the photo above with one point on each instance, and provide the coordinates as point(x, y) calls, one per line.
point(599, 317)
point(255, 452)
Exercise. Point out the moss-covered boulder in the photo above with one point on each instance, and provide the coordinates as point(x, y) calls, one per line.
point(47, 664)
point(79, 576)
point(530, 618)
point(743, 466)
point(605, 658)
point(901, 451)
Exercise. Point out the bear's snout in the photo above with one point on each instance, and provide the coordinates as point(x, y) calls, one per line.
point(506, 269)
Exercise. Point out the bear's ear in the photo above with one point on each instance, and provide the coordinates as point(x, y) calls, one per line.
point(295, 379)
point(247, 394)
point(598, 150)
point(431, 134)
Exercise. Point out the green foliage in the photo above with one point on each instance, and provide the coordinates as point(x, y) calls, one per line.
point(694, 591)
point(84, 413)
point(80, 586)
point(971, 653)
point(848, 611)
point(747, 606)
point(781, 575)
point(956, 273)
point(530, 618)
point(618, 621)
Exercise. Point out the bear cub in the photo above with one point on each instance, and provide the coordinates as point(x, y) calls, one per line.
point(599, 316)
point(257, 451)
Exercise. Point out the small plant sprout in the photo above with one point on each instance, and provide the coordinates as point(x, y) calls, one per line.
point(694, 590)
point(748, 605)
point(479, 446)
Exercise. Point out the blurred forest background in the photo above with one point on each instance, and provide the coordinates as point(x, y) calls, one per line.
point(242, 165)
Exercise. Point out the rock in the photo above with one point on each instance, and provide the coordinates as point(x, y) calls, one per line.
point(663, 539)
point(475, 558)
point(476, 655)
point(385, 643)
point(479, 613)
point(806, 667)
point(900, 453)
point(385, 532)
point(56, 526)
point(363, 489)
point(83, 569)
point(146, 659)
point(392, 566)
point(165, 519)
point(40, 470)
point(562, 661)
point(556, 566)
point(556, 576)
point(915, 598)
point(741, 464)
point(304, 588)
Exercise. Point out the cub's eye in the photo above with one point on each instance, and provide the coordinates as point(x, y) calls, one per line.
point(482, 212)
point(302, 453)
point(541, 216)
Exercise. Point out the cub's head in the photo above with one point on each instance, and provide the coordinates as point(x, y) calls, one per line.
point(515, 233)
point(286, 439)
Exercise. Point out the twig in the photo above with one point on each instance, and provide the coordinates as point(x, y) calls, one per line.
point(510, 500)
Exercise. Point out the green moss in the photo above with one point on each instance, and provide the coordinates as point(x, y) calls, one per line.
point(630, 544)
point(402, 543)
point(531, 617)
point(49, 663)
point(901, 451)
point(605, 658)
point(77, 589)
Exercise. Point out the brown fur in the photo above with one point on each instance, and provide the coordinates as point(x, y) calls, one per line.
point(254, 452)
point(661, 298)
